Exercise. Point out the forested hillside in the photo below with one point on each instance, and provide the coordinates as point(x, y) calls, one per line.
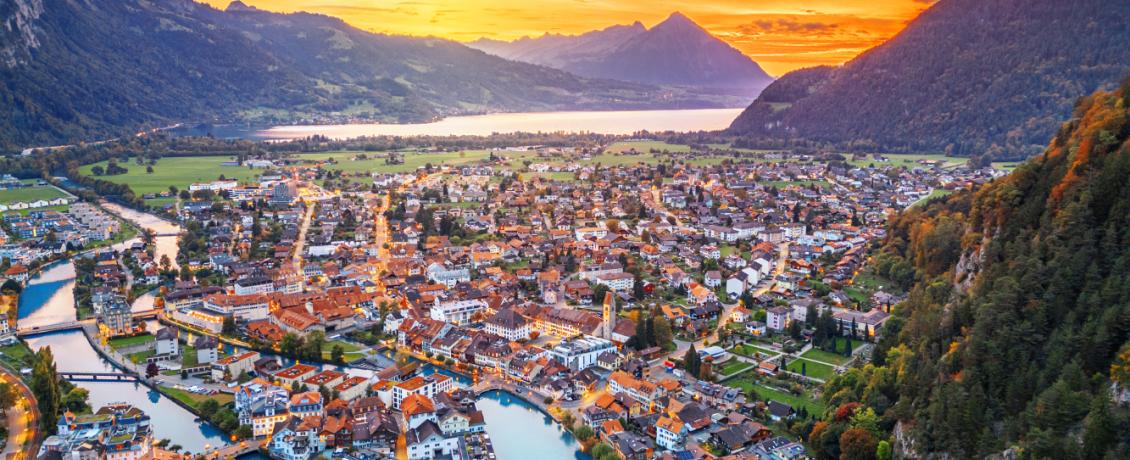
point(1012, 333)
point(968, 77)
point(78, 71)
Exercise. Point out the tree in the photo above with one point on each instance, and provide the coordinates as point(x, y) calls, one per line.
point(857, 444)
point(884, 451)
point(244, 432)
point(151, 370)
point(583, 433)
point(208, 408)
point(691, 361)
point(44, 385)
point(602, 451)
point(76, 400)
point(229, 327)
point(337, 354)
point(1101, 430)
point(663, 335)
point(7, 396)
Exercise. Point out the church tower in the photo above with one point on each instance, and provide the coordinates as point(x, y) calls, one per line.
point(609, 322)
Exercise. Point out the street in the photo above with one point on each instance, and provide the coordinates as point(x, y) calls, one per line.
point(23, 420)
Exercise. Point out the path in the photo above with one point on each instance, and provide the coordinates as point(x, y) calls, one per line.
point(23, 421)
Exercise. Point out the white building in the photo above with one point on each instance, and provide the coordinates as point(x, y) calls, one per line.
point(449, 277)
point(619, 282)
point(457, 312)
point(581, 353)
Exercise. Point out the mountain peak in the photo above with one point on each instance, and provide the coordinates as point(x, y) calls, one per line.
point(678, 18)
point(237, 5)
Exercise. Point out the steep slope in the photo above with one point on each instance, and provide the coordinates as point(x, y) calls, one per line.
point(674, 52)
point(1012, 333)
point(80, 70)
point(966, 75)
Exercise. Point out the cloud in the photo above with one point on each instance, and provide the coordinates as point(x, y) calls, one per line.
point(789, 26)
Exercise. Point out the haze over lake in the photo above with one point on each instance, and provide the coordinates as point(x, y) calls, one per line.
point(601, 122)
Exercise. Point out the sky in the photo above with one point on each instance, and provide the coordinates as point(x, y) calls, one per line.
point(781, 35)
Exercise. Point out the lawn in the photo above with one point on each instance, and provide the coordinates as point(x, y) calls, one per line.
point(937, 193)
point(646, 147)
point(29, 194)
point(178, 171)
point(15, 356)
point(747, 383)
point(812, 369)
point(823, 356)
point(352, 351)
point(193, 399)
point(375, 161)
point(141, 356)
point(733, 366)
point(125, 342)
point(746, 349)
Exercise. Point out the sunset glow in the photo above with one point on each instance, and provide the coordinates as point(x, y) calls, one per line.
point(780, 35)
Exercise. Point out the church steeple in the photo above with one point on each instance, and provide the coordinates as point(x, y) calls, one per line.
point(609, 317)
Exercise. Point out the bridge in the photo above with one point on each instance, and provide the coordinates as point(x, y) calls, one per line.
point(70, 325)
point(98, 376)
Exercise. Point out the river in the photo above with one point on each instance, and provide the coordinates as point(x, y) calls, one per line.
point(519, 430)
point(599, 122)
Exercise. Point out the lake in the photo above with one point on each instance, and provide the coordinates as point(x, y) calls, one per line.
point(599, 122)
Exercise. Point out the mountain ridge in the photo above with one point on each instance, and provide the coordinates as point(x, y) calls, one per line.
point(965, 77)
point(78, 71)
point(676, 51)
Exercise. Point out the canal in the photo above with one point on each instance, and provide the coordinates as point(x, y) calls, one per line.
point(519, 430)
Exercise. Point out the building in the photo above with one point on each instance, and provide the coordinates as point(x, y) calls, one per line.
point(619, 282)
point(232, 366)
point(207, 349)
point(457, 312)
point(308, 404)
point(670, 433)
point(621, 382)
point(777, 318)
point(581, 352)
point(251, 307)
point(427, 385)
point(608, 317)
point(508, 324)
point(116, 318)
point(166, 343)
point(427, 441)
point(118, 431)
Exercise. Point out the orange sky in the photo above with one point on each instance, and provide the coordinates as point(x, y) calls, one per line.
point(781, 35)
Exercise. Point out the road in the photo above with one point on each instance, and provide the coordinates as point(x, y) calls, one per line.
point(767, 283)
point(23, 421)
point(300, 242)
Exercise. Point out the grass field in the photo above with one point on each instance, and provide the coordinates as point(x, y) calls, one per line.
point(352, 351)
point(747, 382)
point(821, 355)
point(15, 356)
point(733, 366)
point(937, 193)
point(812, 369)
point(375, 161)
point(907, 160)
point(178, 171)
point(746, 349)
point(646, 146)
point(125, 342)
point(29, 194)
point(193, 399)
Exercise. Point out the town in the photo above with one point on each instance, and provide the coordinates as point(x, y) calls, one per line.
point(652, 304)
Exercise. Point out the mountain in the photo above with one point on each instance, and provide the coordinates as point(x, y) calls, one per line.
point(1016, 332)
point(674, 52)
point(966, 76)
point(81, 70)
